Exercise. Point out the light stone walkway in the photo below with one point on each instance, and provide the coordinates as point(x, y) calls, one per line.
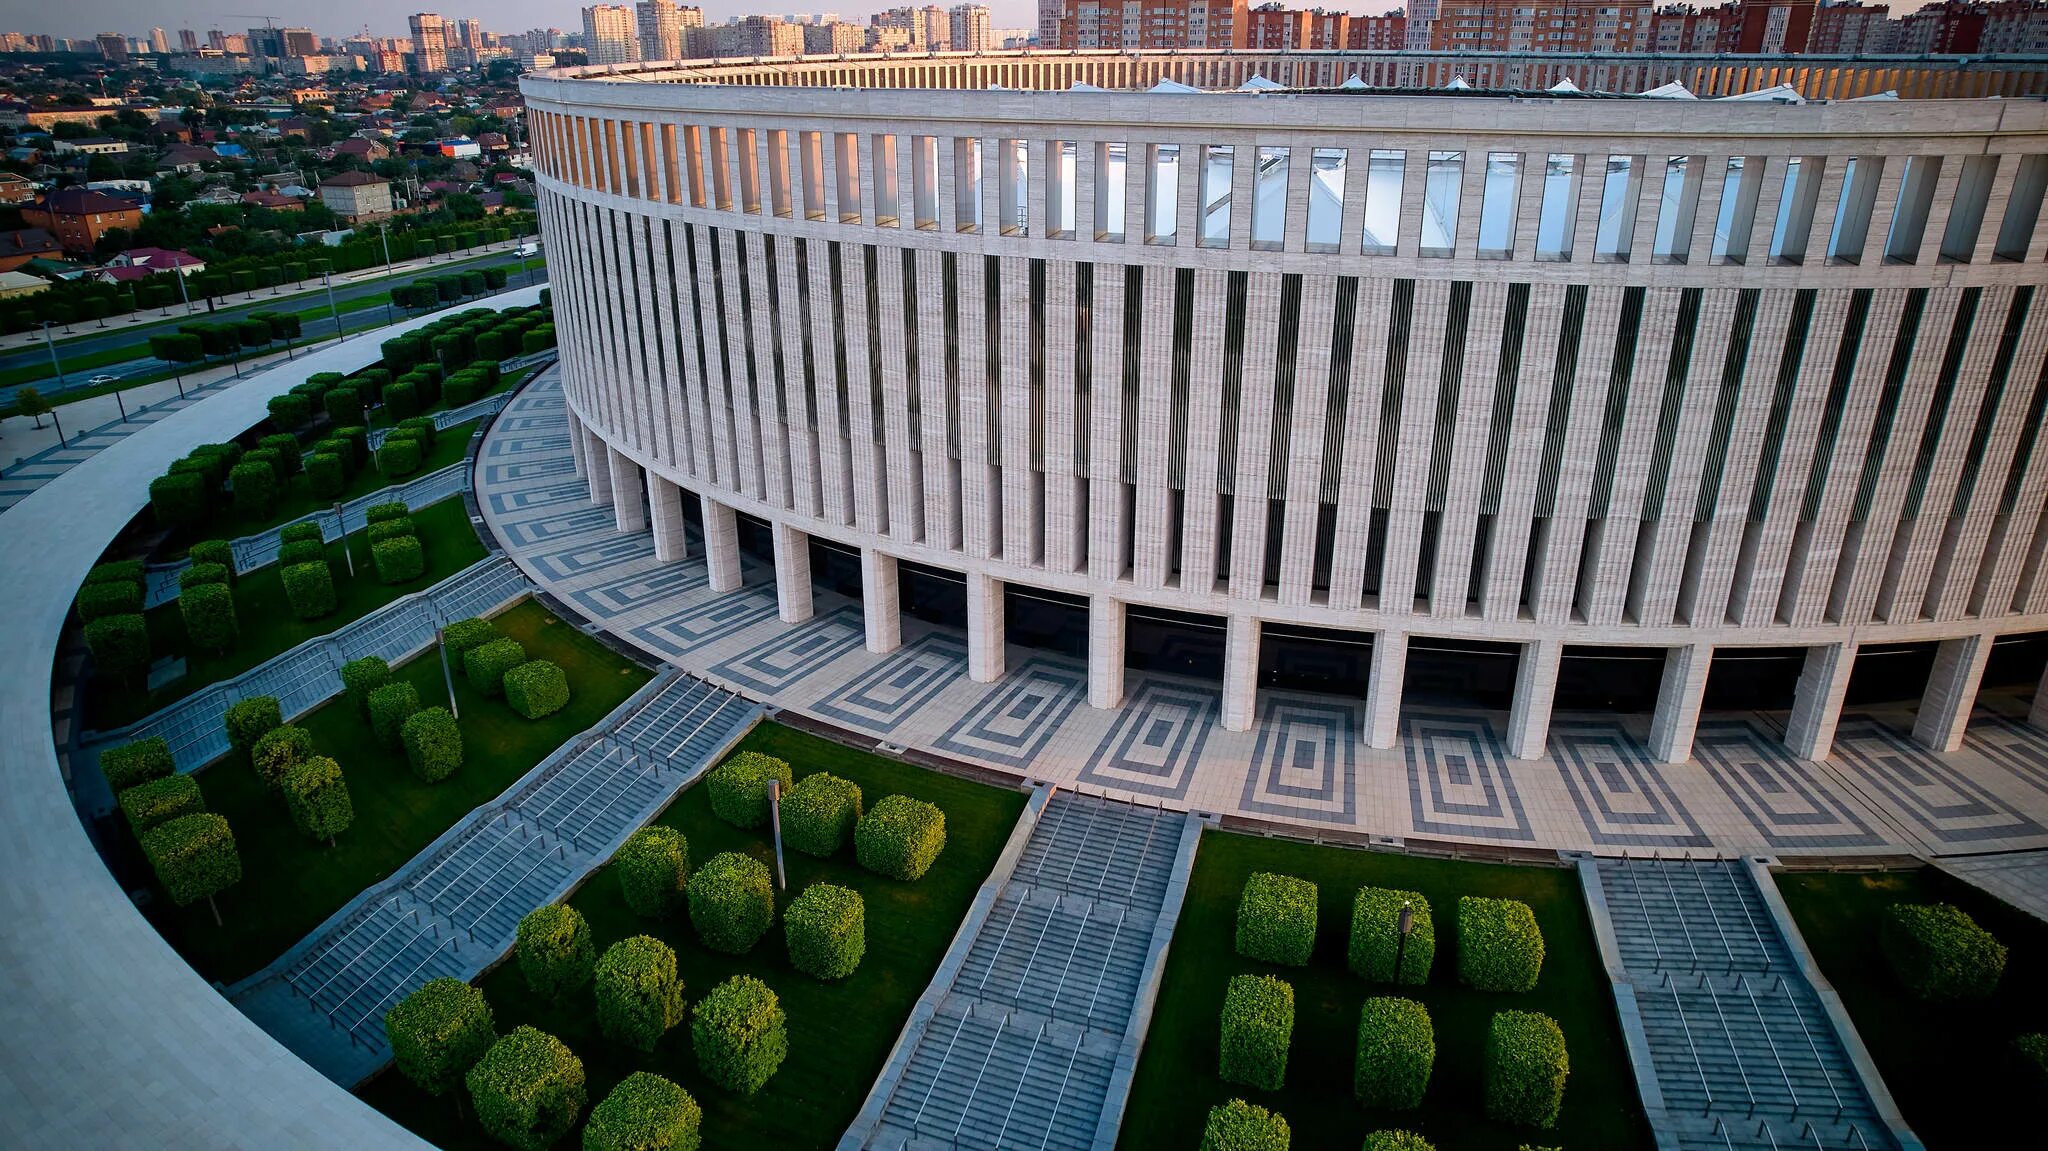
point(2018, 878)
point(1305, 762)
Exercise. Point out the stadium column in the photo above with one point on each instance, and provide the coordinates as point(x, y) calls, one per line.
point(1817, 702)
point(665, 509)
point(1383, 691)
point(1535, 689)
point(1240, 672)
point(792, 573)
point(721, 546)
point(575, 439)
point(984, 628)
point(595, 452)
point(1678, 702)
point(1951, 692)
point(878, 599)
point(629, 506)
point(1106, 621)
point(2037, 715)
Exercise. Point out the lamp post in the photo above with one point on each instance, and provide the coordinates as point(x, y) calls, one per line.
point(1404, 927)
point(775, 821)
point(327, 278)
point(55, 363)
point(341, 529)
point(447, 677)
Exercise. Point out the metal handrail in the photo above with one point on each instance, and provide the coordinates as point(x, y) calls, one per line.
point(1016, 911)
point(1052, 1005)
point(1765, 1027)
point(517, 853)
point(939, 1071)
point(1122, 914)
point(332, 1011)
point(378, 1007)
point(1827, 1076)
point(1022, 1077)
point(1699, 1069)
point(1714, 916)
point(1728, 1037)
point(485, 913)
point(1762, 947)
point(1635, 887)
point(967, 1105)
point(1671, 892)
point(362, 920)
point(1060, 1098)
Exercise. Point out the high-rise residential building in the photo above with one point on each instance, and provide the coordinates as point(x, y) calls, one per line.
point(2020, 26)
point(266, 42)
point(113, 46)
point(188, 40)
point(661, 29)
point(611, 35)
point(1766, 26)
point(1851, 29)
point(1150, 24)
point(296, 42)
point(970, 28)
point(429, 42)
point(1548, 26)
point(911, 21)
point(938, 28)
point(833, 38)
point(159, 42)
point(759, 36)
point(1388, 33)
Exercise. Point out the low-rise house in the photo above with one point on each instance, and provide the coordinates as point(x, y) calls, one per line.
point(16, 189)
point(355, 195)
point(150, 261)
point(15, 285)
point(78, 217)
point(275, 201)
point(19, 247)
point(90, 146)
point(185, 158)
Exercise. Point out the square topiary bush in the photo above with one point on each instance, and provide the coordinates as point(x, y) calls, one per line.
point(344, 406)
point(1396, 1053)
point(309, 588)
point(1257, 1025)
point(161, 800)
point(554, 950)
point(317, 797)
point(398, 457)
point(251, 719)
point(209, 614)
point(528, 1089)
point(255, 487)
point(119, 645)
point(740, 1034)
point(1939, 953)
point(639, 996)
point(402, 399)
point(389, 707)
point(826, 930)
point(199, 574)
point(1396, 1140)
point(1500, 948)
point(360, 677)
point(128, 764)
point(398, 560)
point(178, 500)
point(1276, 919)
point(536, 688)
point(739, 788)
point(1376, 936)
point(301, 532)
point(465, 634)
point(194, 856)
point(214, 552)
point(653, 867)
point(900, 837)
point(732, 902)
point(433, 743)
point(326, 474)
point(819, 813)
point(116, 571)
point(301, 552)
point(97, 600)
point(644, 1113)
point(1526, 1065)
point(386, 512)
point(439, 1032)
point(486, 664)
point(1241, 1126)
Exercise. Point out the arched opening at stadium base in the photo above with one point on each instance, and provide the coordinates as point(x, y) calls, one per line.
point(1317, 660)
point(1048, 620)
point(1460, 673)
point(1174, 643)
point(1612, 680)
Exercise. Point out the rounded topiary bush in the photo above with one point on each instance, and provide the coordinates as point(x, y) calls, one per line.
point(309, 588)
point(536, 688)
point(653, 867)
point(128, 764)
point(1376, 936)
point(119, 645)
point(1241, 1126)
point(819, 813)
point(732, 902)
point(390, 706)
point(1500, 947)
point(1526, 1065)
point(639, 996)
point(251, 719)
point(486, 664)
point(644, 1113)
point(278, 751)
point(433, 743)
point(439, 1032)
point(900, 837)
point(1257, 1026)
point(398, 560)
point(360, 677)
point(1396, 1140)
point(554, 949)
point(826, 930)
point(1939, 953)
point(326, 474)
point(1396, 1053)
point(209, 614)
point(739, 1034)
point(1276, 919)
point(214, 552)
point(317, 797)
point(464, 634)
point(112, 598)
point(527, 1089)
point(161, 800)
point(739, 788)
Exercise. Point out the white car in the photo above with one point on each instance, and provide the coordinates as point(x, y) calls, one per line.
point(102, 379)
point(528, 250)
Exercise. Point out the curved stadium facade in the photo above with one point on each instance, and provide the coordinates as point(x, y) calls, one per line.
point(1246, 364)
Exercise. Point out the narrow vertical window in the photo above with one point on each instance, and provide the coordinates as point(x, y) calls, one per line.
point(717, 154)
point(1795, 212)
point(693, 160)
point(1111, 172)
point(1014, 170)
point(781, 197)
point(750, 170)
point(812, 147)
point(1269, 200)
point(1499, 200)
point(1325, 231)
point(1559, 216)
point(1383, 178)
point(882, 154)
point(967, 184)
point(846, 158)
point(1966, 211)
point(1162, 194)
point(2022, 209)
point(1059, 189)
point(1852, 212)
point(1441, 188)
point(924, 175)
point(1909, 212)
point(1218, 163)
point(1617, 211)
point(1732, 219)
point(1673, 242)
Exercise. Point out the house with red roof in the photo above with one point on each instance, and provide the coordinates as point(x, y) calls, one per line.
point(78, 217)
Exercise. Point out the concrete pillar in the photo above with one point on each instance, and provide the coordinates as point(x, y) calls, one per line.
point(595, 452)
point(1106, 624)
point(1535, 689)
point(792, 573)
point(984, 628)
point(575, 439)
point(879, 605)
point(721, 545)
point(1383, 691)
point(1678, 702)
point(1817, 703)
point(665, 509)
point(2038, 714)
point(1951, 692)
point(629, 506)
point(1240, 673)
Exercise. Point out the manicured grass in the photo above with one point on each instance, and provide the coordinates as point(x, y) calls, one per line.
point(268, 627)
point(1177, 1080)
point(291, 883)
point(1948, 1065)
point(839, 1034)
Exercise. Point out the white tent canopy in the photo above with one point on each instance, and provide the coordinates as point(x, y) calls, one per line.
point(1780, 94)
point(1671, 91)
point(1260, 84)
point(1171, 87)
point(1565, 86)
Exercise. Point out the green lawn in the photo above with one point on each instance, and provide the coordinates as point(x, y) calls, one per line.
point(1947, 1065)
point(290, 883)
point(1177, 1081)
point(268, 627)
point(839, 1034)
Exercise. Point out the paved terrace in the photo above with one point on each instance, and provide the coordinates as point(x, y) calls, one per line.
point(1305, 763)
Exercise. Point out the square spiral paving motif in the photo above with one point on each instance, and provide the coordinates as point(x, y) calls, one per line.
point(529, 470)
point(1783, 799)
point(596, 555)
point(892, 691)
point(785, 659)
point(639, 589)
point(1157, 740)
point(707, 622)
point(509, 503)
point(1019, 715)
point(1939, 799)
point(1305, 765)
point(1458, 781)
point(2020, 748)
point(527, 532)
point(523, 444)
point(1620, 795)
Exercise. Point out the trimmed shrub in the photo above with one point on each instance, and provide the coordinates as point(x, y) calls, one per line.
point(402, 352)
point(826, 930)
point(399, 457)
point(1241, 1126)
point(370, 383)
point(116, 571)
point(398, 560)
point(209, 614)
point(819, 813)
point(639, 996)
point(282, 748)
point(255, 490)
point(251, 719)
point(1396, 1053)
point(740, 1034)
point(463, 634)
point(286, 447)
point(732, 902)
point(644, 1113)
point(1376, 936)
point(555, 952)
point(1258, 1024)
point(653, 867)
point(391, 530)
point(194, 857)
point(900, 837)
point(2031, 1053)
point(462, 388)
point(536, 688)
point(200, 574)
point(344, 406)
point(301, 532)
point(326, 475)
point(360, 677)
point(433, 743)
point(302, 552)
point(402, 399)
point(269, 459)
point(290, 411)
point(1939, 953)
point(119, 645)
point(387, 511)
point(161, 800)
point(424, 425)
point(1276, 919)
point(178, 500)
point(439, 1032)
point(389, 707)
point(1500, 948)
point(1526, 1065)
point(317, 796)
point(1396, 1141)
point(99, 600)
point(739, 788)
point(528, 1089)
point(214, 552)
point(128, 764)
point(309, 588)
point(486, 664)
point(357, 437)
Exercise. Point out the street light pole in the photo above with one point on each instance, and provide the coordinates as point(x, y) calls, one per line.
point(327, 278)
point(341, 529)
point(55, 363)
point(1404, 926)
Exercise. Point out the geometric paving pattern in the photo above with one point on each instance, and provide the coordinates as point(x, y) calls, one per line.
point(637, 589)
point(895, 689)
point(1157, 740)
point(593, 555)
point(505, 503)
point(1781, 797)
point(2012, 745)
point(1458, 781)
point(1013, 723)
point(1617, 790)
point(569, 522)
point(708, 622)
point(1305, 764)
point(793, 653)
point(1942, 802)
